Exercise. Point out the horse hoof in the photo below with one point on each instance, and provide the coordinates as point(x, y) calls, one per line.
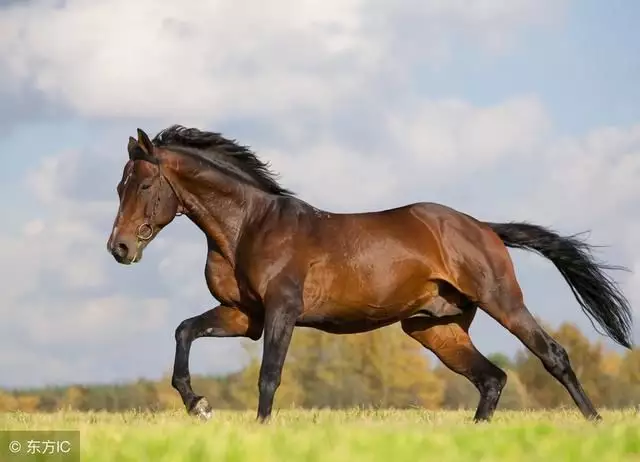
point(202, 409)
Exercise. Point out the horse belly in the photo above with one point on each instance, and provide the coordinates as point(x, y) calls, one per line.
point(333, 324)
point(359, 301)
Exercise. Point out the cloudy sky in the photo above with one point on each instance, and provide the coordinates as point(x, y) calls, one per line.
point(504, 109)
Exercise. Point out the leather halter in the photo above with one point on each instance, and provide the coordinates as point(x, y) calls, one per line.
point(146, 230)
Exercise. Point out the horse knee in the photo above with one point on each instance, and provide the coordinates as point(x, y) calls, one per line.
point(184, 330)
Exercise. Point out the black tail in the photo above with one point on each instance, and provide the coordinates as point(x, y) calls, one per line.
point(598, 295)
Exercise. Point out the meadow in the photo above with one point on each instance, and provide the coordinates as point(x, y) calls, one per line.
point(351, 435)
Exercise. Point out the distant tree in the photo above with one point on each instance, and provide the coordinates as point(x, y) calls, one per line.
point(629, 369)
point(74, 398)
point(28, 403)
point(501, 360)
point(458, 392)
point(8, 402)
point(397, 370)
point(244, 391)
point(627, 392)
point(211, 387)
point(383, 368)
point(515, 395)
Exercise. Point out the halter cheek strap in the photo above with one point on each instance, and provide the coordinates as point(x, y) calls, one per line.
point(146, 230)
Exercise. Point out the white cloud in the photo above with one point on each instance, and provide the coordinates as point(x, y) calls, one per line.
point(55, 273)
point(592, 184)
point(594, 177)
point(101, 320)
point(59, 268)
point(488, 23)
point(450, 136)
point(162, 58)
point(193, 59)
point(430, 146)
point(208, 60)
point(65, 298)
point(29, 367)
point(179, 259)
point(508, 154)
point(634, 285)
point(331, 176)
point(47, 181)
point(34, 228)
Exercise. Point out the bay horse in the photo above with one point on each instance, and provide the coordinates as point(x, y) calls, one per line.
point(275, 262)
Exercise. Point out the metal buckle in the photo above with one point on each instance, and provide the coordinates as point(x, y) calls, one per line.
point(144, 236)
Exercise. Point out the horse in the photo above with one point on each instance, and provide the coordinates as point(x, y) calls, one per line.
point(275, 262)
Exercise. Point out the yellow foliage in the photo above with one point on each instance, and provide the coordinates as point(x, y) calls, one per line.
point(589, 361)
point(383, 368)
point(8, 402)
point(74, 398)
point(630, 367)
point(167, 396)
point(28, 403)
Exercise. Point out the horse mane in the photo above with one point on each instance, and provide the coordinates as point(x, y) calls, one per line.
point(223, 154)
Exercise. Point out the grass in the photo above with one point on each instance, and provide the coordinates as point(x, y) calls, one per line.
point(350, 436)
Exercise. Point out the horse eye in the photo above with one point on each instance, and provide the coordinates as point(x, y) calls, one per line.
point(145, 186)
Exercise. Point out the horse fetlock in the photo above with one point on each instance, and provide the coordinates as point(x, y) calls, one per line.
point(201, 409)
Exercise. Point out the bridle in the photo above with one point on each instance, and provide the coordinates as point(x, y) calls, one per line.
point(140, 235)
point(146, 230)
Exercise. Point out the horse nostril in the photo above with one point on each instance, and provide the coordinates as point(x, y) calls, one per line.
point(120, 250)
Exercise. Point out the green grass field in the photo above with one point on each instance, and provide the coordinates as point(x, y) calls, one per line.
point(349, 436)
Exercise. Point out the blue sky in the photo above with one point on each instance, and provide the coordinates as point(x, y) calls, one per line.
point(507, 110)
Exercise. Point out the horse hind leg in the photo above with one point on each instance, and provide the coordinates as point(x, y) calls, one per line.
point(505, 304)
point(448, 338)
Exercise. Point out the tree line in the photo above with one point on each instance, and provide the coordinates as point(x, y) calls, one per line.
point(380, 369)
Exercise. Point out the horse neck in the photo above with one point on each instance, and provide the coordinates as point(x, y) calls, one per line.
point(218, 205)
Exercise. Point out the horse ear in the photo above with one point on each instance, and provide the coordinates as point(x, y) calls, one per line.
point(145, 143)
point(138, 152)
point(132, 146)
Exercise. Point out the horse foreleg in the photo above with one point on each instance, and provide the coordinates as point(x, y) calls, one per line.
point(283, 305)
point(222, 321)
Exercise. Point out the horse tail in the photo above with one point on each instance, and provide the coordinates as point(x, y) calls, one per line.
point(598, 295)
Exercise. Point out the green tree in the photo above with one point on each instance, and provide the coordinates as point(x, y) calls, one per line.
point(381, 368)
point(75, 398)
point(243, 390)
point(501, 360)
point(515, 395)
point(627, 391)
point(458, 391)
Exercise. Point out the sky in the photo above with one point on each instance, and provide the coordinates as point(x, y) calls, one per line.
point(505, 110)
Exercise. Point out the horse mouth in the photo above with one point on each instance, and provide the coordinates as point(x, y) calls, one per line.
point(126, 261)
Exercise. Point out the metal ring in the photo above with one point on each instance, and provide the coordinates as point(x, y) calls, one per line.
point(143, 227)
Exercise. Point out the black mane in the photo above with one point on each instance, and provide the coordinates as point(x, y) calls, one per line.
point(222, 153)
